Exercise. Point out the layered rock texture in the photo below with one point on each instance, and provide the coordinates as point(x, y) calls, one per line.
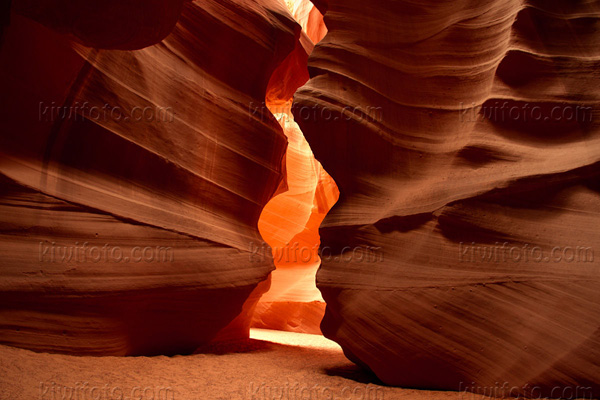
point(133, 181)
point(146, 193)
point(289, 223)
point(465, 142)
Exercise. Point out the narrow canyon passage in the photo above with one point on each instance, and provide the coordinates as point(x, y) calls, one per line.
point(290, 222)
point(258, 199)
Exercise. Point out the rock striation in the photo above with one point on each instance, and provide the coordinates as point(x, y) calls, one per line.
point(133, 181)
point(145, 156)
point(465, 142)
point(289, 223)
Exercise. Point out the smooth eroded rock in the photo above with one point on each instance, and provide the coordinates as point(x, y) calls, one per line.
point(450, 206)
point(156, 155)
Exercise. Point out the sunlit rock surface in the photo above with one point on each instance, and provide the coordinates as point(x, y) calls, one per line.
point(289, 222)
point(157, 148)
point(435, 176)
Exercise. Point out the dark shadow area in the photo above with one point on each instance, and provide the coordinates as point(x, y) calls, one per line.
point(404, 223)
point(355, 373)
point(4, 17)
point(478, 156)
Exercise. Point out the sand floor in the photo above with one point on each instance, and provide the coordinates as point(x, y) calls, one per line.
point(272, 365)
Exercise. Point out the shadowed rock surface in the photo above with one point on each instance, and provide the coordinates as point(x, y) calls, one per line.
point(435, 174)
point(155, 148)
point(106, 24)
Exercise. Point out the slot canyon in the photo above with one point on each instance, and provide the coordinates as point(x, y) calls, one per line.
point(295, 199)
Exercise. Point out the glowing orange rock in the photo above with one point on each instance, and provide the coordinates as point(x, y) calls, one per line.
point(289, 222)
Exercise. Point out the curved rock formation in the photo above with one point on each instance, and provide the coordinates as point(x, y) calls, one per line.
point(463, 136)
point(112, 24)
point(465, 141)
point(289, 222)
point(133, 181)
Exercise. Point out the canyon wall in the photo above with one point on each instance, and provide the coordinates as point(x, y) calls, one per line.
point(140, 155)
point(133, 181)
point(465, 142)
point(289, 223)
point(106, 24)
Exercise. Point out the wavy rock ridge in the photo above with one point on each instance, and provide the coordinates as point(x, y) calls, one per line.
point(289, 222)
point(153, 150)
point(465, 142)
point(463, 137)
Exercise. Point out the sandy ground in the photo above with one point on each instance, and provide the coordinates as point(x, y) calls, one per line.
point(272, 365)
